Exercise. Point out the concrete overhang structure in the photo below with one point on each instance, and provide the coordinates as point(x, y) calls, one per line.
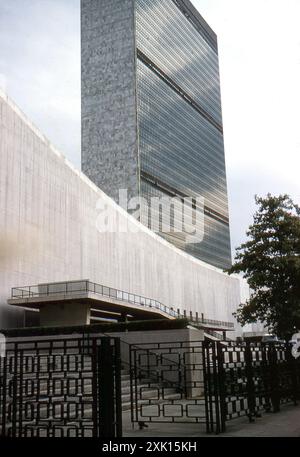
point(77, 302)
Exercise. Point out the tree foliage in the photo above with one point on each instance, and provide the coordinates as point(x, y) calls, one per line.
point(270, 261)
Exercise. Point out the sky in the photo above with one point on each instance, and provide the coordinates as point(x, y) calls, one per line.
point(259, 48)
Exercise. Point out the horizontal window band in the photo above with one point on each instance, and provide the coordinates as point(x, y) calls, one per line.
point(178, 90)
point(197, 21)
point(172, 192)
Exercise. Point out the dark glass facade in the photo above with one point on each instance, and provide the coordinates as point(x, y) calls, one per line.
point(181, 147)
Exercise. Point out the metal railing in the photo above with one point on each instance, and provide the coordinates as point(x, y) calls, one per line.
point(86, 286)
point(211, 322)
point(217, 335)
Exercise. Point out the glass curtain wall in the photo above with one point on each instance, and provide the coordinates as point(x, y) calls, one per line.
point(181, 143)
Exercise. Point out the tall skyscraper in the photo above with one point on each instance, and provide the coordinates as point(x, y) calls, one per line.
point(151, 111)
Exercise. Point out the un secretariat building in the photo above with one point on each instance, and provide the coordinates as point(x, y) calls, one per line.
point(151, 111)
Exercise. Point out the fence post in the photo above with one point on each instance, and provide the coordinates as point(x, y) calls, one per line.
point(15, 393)
point(109, 389)
point(133, 380)
point(221, 386)
point(250, 382)
point(3, 399)
point(266, 374)
point(215, 358)
point(94, 388)
point(274, 380)
point(292, 364)
point(207, 387)
point(208, 351)
point(118, 387)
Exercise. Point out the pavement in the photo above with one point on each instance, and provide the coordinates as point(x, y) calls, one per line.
point(286, 423)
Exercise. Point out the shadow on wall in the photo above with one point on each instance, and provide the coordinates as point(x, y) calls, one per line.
point(16, 245)
point(15, 248)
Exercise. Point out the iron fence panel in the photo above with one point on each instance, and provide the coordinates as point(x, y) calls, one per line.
point(61, 388)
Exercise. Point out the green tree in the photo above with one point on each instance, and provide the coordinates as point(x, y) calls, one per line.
point(270, 261)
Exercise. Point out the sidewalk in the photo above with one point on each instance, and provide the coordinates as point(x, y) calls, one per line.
point(286, 423)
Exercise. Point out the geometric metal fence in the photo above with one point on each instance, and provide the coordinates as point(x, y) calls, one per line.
point(174, 374)
point(66, 387)
point(211, 382)
point(71, 386)
point(253, 378)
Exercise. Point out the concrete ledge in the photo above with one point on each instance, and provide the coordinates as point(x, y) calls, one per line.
point(87, 299)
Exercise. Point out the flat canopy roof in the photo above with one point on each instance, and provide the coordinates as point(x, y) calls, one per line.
point(96, 302)
point(103, 300)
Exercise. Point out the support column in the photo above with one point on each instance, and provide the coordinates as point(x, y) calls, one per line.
point(65, 314)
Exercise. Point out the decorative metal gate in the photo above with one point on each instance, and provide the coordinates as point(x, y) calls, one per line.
point(67, 387)
point(209, 382)
point(254, 378)
point(172, 382)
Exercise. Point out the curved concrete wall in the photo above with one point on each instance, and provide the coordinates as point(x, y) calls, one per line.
point(48, 214)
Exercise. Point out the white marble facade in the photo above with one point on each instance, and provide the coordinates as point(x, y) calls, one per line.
point(48, 233)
